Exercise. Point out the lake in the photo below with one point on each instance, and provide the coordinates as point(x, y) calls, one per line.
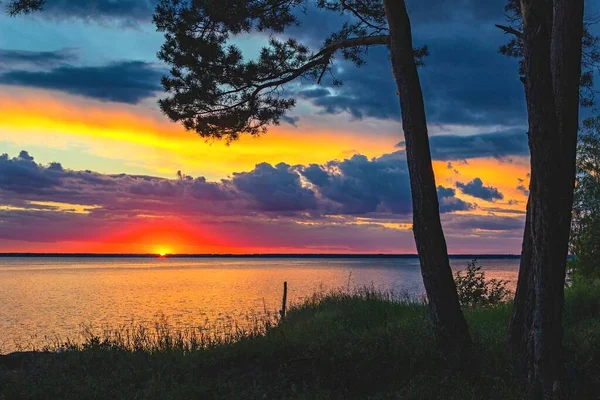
point(47, 298)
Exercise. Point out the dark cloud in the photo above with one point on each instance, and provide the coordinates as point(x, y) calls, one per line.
point(316, 175)
point(125, 82)
point(465, 80)
point(461, 10)
point(35, 59)
point(476, 188)
point(136, 10)
point(461, 147)
point(486, 223)
point(521, 187)
point(368, 91)
point(201, 189)
point(156, 188)
point(450, 203)
point(505, 210)
point(292, 120)
point(314, 93)
point(354, 186)
point(22, 175)
point(316, 205)
point(360, 186)
point(275, 188)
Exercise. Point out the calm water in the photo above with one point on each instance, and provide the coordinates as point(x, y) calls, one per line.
point(46, 298)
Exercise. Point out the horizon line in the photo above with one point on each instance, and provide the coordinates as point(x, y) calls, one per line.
point(242, 255)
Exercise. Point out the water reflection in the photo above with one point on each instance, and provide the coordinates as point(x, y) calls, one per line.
point(46, 298)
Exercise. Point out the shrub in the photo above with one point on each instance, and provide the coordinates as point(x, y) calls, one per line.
point(474, 290)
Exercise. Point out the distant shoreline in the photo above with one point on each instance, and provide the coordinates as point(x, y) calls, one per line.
point(284, 255)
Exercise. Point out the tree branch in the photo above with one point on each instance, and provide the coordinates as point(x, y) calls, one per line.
point(345, 6)
point(511, 31)
point(321, 58)
point(353, 42)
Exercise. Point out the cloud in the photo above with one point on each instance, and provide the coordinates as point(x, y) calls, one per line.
point(465, 80)
point(314, 93)
point(476, 188)
point(125, 81)
point(275, 188)
point(462, 10)
point(359, 186)
point(356, 204)
point(354, 186)
point(35, 59)
point(485, 223)
point(450, 203)
point(22, 175)
point(291, 119)
point(521, 187)
point(451, 86)
point(461, 147)
point(139, 10)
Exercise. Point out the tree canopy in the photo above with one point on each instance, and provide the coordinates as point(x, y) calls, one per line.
point(215, 90)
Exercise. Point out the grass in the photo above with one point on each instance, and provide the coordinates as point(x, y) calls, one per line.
point(364, 344)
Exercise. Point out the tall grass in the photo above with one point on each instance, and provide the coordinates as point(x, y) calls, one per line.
point(364, 344)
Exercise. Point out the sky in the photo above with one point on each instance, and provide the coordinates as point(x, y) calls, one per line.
point(89, 164)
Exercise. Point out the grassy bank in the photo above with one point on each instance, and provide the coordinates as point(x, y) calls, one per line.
point(361, 345)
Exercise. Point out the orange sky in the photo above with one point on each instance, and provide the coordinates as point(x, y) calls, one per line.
point(109, 138)
point(130, 136)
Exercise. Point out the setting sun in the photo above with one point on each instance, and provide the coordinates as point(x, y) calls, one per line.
point(163, 251)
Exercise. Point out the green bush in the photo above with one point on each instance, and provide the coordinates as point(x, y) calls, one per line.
point(474, 290)
point(584, 243)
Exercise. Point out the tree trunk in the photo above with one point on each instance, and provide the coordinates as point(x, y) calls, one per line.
point(519, 328)
point(552, 59)
point(451, 327)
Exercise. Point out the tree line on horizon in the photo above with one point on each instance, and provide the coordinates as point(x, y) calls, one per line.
point(213, 90)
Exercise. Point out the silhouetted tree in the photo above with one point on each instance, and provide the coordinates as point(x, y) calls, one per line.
point(522, 318)
point(218, 93)
point(548, 35)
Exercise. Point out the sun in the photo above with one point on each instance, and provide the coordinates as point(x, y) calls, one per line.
point(162, 252)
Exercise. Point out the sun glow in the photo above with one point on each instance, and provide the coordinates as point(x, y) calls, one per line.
point(162, 251)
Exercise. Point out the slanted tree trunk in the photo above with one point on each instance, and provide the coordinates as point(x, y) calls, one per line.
point(519, 328)
point(451, 327)
point(552, 60)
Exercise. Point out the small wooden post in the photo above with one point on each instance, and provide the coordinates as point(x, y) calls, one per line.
point(283, 301)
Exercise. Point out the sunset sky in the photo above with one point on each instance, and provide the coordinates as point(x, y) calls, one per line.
point(90, 164)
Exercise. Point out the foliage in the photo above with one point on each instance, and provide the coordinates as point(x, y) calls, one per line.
point(219, 92)
point(339, 345)
point(585, 228)
point(474, 290)
point(16, 7)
